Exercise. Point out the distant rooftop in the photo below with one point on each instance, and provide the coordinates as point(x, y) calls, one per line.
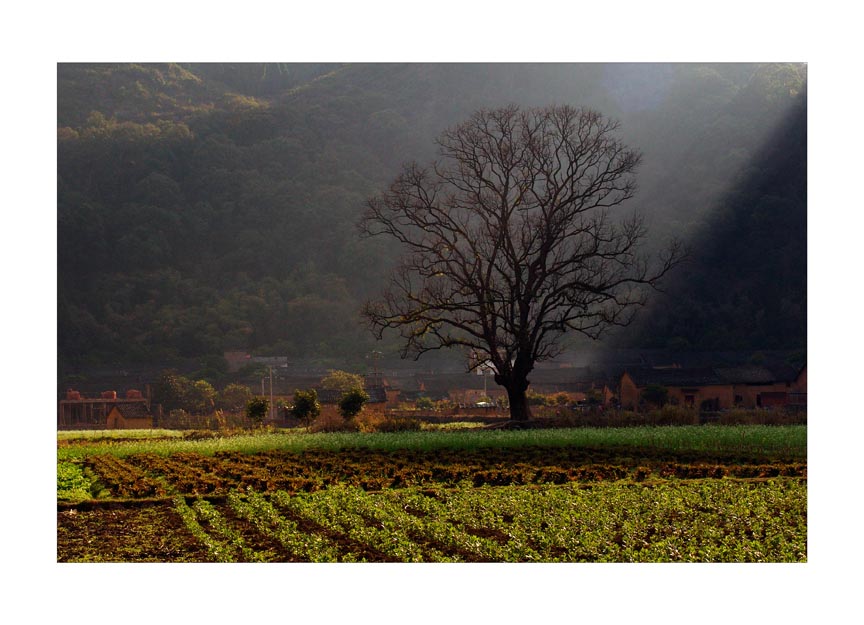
point(708, 376)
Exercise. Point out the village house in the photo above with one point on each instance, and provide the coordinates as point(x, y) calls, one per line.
point(710, 388)
point(466, 389)
point(134, 416)
point(578, 383)
point(107, 411)
point(236, 360)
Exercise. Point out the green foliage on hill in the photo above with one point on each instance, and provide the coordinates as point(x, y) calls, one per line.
point(208, 207)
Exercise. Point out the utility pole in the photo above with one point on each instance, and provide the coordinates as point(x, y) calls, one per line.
point(376, 376)
point(271, 393)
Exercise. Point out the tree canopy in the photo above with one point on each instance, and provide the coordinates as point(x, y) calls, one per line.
point(341, 380)
point(306, 406)
point(509, 240)
point(352, 402)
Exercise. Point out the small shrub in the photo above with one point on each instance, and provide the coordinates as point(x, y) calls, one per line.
point(673, 415)
point(256, 409)
point(368, 421)
point(233, 397)
point(178, 419)
point(201, 398)
point(535, 399)
point(558, 399)
point(399, 424)
point(657, 396)
point(306, 407)
point(332, 423)
point(352, 402)
point(740, 416)
point(445, 405)
point(196, 435)
point(424, 403)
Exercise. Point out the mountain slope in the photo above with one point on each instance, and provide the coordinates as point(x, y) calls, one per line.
point(205, 207)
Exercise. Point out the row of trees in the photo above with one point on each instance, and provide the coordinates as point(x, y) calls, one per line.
point(199, 397)
point(306, 407)
point(178, 392)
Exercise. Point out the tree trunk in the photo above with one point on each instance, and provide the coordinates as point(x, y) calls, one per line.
point(516, 393)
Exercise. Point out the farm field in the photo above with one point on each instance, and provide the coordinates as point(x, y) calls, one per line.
point(701, 494)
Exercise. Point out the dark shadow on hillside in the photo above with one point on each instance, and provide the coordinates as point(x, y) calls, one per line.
point(745, 285)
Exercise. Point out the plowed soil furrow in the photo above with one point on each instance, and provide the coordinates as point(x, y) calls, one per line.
point(191, 473)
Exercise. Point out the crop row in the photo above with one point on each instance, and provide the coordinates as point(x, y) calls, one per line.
point(124, 479)
point(72, 484)
point(194, 474)
point(696, 521)
point(300, 544)
point(185, 474)
point(708, 521)
point(223, 540)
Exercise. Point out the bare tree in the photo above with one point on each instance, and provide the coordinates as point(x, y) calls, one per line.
point(509, 243)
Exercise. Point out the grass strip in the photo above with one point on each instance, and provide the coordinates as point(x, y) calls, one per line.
point(762, 441)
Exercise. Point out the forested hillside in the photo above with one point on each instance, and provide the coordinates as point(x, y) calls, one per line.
point(207, 207)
